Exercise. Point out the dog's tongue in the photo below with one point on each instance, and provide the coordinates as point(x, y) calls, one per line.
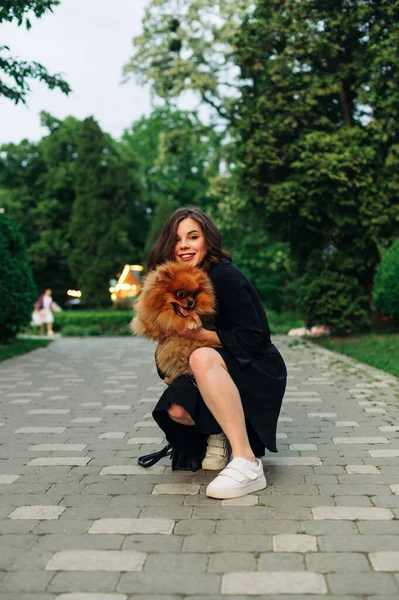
point(184, 311)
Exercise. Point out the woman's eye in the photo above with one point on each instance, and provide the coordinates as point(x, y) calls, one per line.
point(195, 237)
point(180, 295)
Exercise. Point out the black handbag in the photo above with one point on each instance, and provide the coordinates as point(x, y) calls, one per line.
point(180, 461)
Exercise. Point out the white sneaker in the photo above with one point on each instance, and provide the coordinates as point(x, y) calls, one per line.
point(217, 453)
point(237, 479)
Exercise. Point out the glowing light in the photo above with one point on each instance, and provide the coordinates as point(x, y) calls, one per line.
point(74, 293)
point(113, 296)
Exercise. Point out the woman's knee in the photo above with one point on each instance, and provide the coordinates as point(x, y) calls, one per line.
point(203, 359)
point(175, 411)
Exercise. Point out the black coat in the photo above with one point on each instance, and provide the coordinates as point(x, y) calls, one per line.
point(254, 364)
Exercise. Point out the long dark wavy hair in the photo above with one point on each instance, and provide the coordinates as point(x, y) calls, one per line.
point(164, 247)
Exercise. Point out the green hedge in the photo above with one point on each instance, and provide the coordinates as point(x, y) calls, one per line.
point(17, 288)
point(85, 322)
point(386, 283)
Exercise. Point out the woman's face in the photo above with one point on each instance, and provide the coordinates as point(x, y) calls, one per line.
point(190, 245)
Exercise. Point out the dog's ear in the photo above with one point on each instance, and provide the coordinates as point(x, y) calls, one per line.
point(164, 273)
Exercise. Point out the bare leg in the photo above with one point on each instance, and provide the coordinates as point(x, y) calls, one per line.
point(180, 415)
point(221, 396)
point(49, 329)
point(41, 329)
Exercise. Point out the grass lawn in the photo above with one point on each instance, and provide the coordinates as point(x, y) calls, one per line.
point(380, 351)
point(20, 347)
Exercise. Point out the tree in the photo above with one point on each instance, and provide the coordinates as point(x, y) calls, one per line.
point(17, 288)
point(178, 154)
point(188, 46)
point(37, 182)
point(15, 74)
point(99, 227)
point(319, 145)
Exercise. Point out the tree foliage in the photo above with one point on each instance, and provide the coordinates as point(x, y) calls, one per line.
point(15, 73)
point(178, 155)
point(188, 46)
point(17, 288)
point(37, 181)
point(319, 145)
point(99, 227)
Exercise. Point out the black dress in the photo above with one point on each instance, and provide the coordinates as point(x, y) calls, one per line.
point(254, 363)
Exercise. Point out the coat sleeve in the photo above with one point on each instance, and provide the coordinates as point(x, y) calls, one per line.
point(242, 336)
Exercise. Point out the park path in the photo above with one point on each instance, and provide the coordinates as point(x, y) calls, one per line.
point(79, 520)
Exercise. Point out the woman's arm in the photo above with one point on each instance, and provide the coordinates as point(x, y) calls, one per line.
point(211, 338)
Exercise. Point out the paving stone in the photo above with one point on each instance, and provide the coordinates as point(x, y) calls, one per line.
point(346, 424)
point(180, 563)
point(384, 561)
point(368, 583)
point(40, 430)
point(96, 560)
point(49, 411)
point(57, 447)
point(176, 488)
point(273, 582)
point(131, 470)
point(37, 512)
point(330, 562)
point(223, 562)
point(361, 440)
point(112, 435)
point(81, 581)
point(351, 513)
point(243, 501)
point(362, 469)
point(25, 581)
point(294, 543)
point(146, 440)
point(60, 460)
point(129, 526)
point(302, 447)
point(87, 420)
point(171, 583)
point(384, 453)
point(7, 479)
point(273, 561)
point(91, 596)
point(322, 415)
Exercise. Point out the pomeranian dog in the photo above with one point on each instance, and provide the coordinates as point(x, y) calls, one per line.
point(172, 295)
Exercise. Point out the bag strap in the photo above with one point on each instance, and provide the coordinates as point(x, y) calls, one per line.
point(148, 460)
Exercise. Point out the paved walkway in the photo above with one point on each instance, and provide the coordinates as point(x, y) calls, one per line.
point(81, 521)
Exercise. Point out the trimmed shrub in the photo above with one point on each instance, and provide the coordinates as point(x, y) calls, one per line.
point(334, 299)
point(386, 283)
point(17, 287)
point(92, 322)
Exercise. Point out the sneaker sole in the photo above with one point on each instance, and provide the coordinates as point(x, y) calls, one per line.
point(248, 488)
point(213, 466)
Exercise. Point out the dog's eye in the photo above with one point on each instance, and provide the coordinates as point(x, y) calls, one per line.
point(180, 295)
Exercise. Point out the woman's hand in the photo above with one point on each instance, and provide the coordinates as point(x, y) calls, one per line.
point(193, 334)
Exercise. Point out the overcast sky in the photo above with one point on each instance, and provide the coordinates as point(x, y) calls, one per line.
point(88, 41)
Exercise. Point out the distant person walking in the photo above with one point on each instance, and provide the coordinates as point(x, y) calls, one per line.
point(44, 306)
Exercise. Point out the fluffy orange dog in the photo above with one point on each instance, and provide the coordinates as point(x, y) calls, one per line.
point(172, 297)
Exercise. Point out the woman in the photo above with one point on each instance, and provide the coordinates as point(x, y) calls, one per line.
point(239, 380)
point(46, 312)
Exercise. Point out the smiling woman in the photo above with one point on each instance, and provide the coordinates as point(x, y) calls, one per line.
point(190, 243)
point(233, 399)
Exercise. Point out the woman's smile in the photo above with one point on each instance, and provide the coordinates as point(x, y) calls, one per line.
point(190, 242)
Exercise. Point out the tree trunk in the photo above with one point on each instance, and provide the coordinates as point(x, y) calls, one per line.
point(346, 112)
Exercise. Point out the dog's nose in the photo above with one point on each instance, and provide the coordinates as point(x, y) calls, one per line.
point(190, 303)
